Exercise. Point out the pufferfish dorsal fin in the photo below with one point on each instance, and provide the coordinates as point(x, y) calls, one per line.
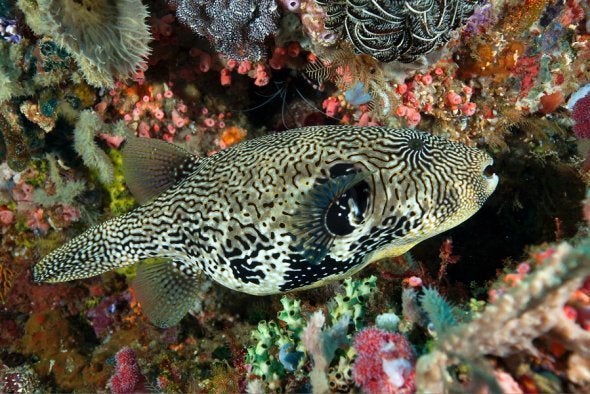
point(166, 290)
point(151, 166)
point(332, 208)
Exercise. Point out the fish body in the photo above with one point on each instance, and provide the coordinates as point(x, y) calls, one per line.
point(282, 212)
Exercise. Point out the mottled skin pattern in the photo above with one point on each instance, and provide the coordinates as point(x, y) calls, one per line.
point(233, 218)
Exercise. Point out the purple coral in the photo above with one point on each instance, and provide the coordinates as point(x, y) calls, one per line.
point(8, 30)
point(237, 29)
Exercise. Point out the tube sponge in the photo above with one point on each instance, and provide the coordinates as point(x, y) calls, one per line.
point(107, 38)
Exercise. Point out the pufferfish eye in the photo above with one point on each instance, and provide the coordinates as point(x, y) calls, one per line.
point(334, 207)
point(346, 211)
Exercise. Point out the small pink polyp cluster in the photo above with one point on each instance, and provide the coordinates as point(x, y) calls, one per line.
point(259, 71)
point(158, 114)
point(6, 216)
point(281, 55)
point(384, 362)
point(22, 194)
point(432, 92)
point(214, 121)
point(332, 106)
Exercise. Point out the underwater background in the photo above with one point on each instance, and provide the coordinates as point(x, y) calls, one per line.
point(499, 304)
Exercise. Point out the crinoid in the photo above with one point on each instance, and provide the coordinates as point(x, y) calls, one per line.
point(396, 29)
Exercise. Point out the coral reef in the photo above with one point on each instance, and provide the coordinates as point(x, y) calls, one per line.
point(498, 304)
point(536, 307)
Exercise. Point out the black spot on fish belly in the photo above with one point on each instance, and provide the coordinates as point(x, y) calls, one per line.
point(246, 270)
point(301, 273)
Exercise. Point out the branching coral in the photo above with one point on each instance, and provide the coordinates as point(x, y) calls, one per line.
point(532, 309)
point(108, 38)
point(396, 30)
point(237, 29)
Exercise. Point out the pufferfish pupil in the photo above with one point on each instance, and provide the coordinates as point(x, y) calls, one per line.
point(287, 211)
point(347, 210)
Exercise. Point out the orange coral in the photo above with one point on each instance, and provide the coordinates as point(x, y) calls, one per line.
point(520, 17)
point(489, 61)
point(231, 135)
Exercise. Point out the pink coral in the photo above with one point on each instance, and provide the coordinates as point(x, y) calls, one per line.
point(384, 362)
point(127, 377)
point(22, 192)
point(36, 222)
point(6, 216)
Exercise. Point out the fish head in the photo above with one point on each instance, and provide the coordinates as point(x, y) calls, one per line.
point(384, 197)
point(430, 185)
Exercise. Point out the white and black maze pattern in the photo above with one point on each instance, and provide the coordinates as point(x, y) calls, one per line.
point(245, 216)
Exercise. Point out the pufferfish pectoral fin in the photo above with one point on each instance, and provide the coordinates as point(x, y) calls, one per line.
point(166, 290)
point(331, 209)
point(151, 166)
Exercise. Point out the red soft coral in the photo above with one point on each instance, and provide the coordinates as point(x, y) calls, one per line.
point(127, 377)
point(384, 362)
point(581, 117)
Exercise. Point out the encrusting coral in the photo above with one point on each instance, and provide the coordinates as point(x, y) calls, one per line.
point(107, 38)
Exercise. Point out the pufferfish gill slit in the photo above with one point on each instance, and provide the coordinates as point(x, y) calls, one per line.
point(286, 211)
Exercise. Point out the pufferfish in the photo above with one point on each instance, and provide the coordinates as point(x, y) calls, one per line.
point(286, 211)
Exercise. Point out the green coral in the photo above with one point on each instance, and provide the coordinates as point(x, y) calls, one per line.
point(65, 192)
point(272, 339)
point(291, 315)
point(352, 301)
point(438, 310)
point(121, 200)
point(265, 364)
point(87, 128)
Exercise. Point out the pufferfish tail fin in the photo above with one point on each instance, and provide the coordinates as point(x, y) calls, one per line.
point(166, 290)
point(116, 243)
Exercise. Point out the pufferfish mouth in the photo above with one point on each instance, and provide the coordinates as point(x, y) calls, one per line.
point(490, 176)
